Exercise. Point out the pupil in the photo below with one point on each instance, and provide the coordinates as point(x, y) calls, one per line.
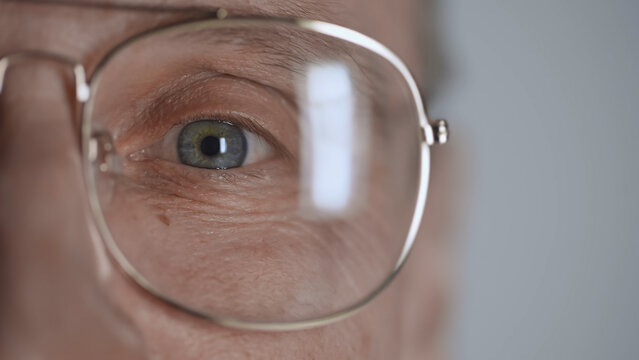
point(210, 146)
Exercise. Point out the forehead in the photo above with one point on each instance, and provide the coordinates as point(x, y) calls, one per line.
point(85, 29)
point(317, 9)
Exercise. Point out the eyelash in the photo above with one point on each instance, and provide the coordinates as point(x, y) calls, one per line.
point(240, 121)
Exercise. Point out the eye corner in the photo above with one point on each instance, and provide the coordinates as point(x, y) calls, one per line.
point(138, 155)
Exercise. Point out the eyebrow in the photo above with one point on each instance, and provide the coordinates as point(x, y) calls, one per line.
point(280, 50)
point(121, 5)
point(314, 9)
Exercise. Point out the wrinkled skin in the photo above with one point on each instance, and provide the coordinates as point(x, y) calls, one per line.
point(61, 297)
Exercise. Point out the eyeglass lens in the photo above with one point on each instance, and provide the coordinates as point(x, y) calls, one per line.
point(262, 172)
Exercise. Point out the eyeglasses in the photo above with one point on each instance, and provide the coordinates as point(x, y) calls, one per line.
point(261, 173)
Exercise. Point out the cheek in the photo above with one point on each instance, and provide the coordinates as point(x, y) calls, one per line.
point(241, 248)
point(238, 253)
point(167, 333)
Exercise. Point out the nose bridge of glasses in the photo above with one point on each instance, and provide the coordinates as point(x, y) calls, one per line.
point(81, 87)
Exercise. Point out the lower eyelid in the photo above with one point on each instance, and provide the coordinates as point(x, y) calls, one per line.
point(171, 177)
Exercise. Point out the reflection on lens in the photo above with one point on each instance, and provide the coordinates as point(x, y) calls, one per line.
point(291, 194)
point(329, 139)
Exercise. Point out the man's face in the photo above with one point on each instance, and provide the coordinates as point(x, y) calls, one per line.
point(61, 298)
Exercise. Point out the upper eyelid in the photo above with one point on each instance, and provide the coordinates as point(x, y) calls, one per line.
point(178, 91)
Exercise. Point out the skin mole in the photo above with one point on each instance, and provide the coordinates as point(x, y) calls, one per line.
point(164, 219)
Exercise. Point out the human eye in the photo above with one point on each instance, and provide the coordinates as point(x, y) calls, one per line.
point(203, 131)
point(210, 142)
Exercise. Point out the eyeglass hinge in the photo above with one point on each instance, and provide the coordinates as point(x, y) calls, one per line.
point(439, 131)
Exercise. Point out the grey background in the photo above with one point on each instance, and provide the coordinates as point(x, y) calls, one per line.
point(543, 99)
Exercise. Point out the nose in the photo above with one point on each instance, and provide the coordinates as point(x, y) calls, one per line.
point(51, 302)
